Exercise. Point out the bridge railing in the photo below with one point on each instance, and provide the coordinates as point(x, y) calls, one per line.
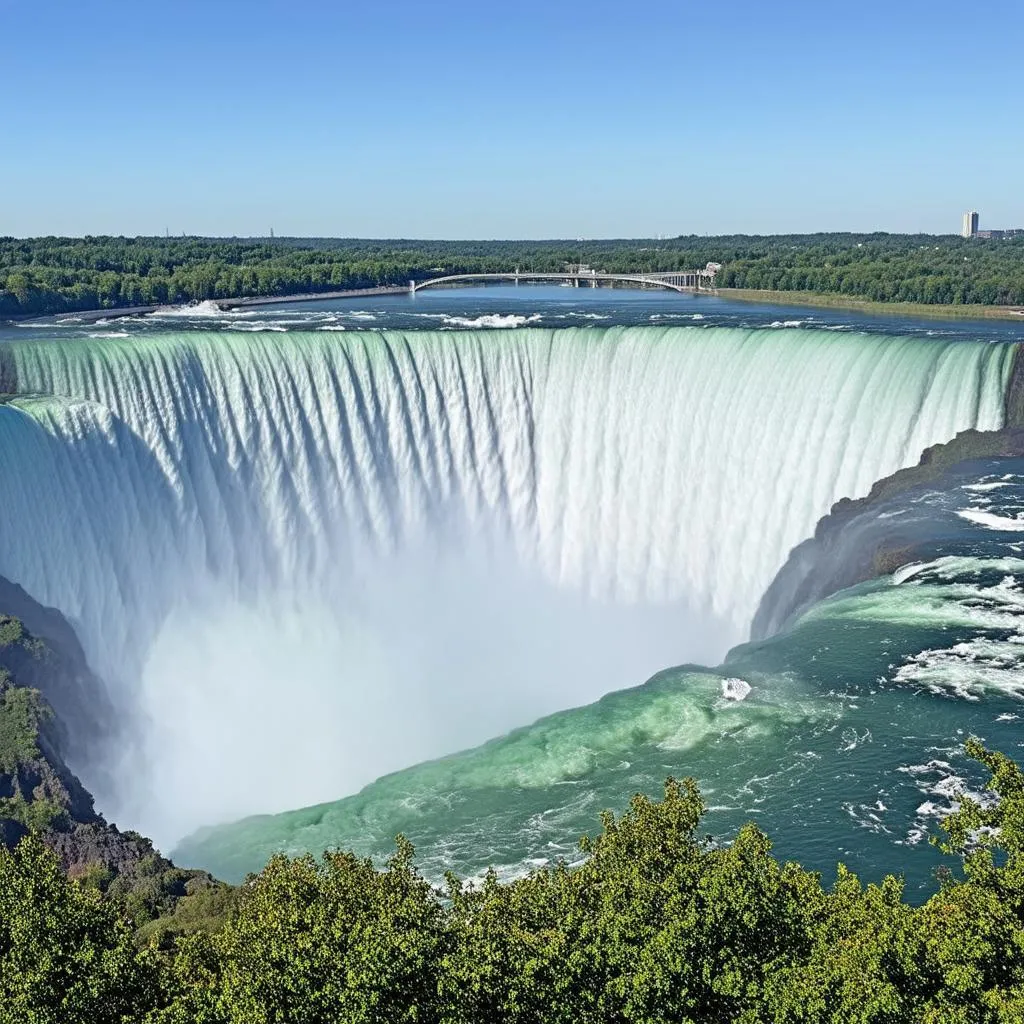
point(675, 280)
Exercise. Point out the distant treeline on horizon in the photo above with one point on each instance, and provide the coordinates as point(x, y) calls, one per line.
point(39, 276)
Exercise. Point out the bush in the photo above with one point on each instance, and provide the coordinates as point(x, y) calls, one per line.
point(66, 957)
point(657, 924)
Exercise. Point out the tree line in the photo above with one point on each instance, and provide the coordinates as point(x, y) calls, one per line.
point(657, 924)
point(56, 275)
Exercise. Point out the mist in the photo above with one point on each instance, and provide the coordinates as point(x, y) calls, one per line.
point(298, 698)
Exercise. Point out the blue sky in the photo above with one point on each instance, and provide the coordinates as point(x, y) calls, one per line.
point(526, 119)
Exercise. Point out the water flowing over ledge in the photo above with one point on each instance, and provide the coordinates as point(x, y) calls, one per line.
point(182, 492)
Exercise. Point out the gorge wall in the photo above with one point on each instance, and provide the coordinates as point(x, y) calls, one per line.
point(302, 560)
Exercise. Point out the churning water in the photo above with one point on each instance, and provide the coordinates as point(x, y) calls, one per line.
point(303, 557)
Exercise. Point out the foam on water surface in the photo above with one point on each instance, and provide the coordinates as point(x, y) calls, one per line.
point(374, 523)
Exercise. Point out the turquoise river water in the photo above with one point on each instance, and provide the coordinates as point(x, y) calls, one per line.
point(407, 565)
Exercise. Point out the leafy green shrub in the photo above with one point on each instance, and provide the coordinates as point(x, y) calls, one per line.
point(21, 712)
point(66, 957)
point(657, 924)
point(11, 630)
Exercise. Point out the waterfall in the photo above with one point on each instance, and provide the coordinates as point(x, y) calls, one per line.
point(319, 544)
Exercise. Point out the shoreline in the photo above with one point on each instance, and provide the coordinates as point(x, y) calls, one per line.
point(766, 297)
point(92, 316)
point(825, 300)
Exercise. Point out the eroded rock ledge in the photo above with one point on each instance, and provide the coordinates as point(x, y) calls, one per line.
point(51, 703)
point(854, 542)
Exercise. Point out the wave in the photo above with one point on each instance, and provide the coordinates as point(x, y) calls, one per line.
point(990, 521)
point(491, 320)
point(206, 308)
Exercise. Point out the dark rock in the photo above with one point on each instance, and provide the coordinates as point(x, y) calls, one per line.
point(84, 723)
point(853, 544)
point(11, 832)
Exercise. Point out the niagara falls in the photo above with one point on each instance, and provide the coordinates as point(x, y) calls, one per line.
point(317, 556)
point(511, 514)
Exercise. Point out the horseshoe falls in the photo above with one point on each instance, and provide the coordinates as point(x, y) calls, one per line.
point(302, 560)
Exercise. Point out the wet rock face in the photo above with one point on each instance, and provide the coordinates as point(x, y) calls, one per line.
point(37, 788)
point(11, 832)
point(873, 536)
point(50, 659)
point(40, 793)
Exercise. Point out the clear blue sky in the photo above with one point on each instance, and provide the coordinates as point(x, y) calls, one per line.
point(466, 119)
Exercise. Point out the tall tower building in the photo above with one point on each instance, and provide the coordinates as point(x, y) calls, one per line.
point(970, 228)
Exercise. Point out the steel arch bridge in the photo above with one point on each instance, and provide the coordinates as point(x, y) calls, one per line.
point(676, 280)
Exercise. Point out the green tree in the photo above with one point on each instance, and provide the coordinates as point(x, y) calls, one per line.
point(66, 957)
point(318, 942)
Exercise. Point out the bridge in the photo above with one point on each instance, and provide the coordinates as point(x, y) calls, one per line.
point(675, 280)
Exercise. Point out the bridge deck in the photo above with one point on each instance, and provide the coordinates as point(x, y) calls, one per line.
point(676, 280)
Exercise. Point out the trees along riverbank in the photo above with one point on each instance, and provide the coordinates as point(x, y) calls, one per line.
point(656, 924)
point(818, 300)
point(57, 275)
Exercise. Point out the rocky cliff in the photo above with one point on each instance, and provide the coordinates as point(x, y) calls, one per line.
point(50, 705)
point(872, 536)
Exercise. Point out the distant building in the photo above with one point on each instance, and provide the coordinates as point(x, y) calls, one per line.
point(970, 228)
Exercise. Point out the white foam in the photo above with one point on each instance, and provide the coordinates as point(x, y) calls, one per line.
point(489, 320)
point(735, 689)
point(206, 308)
point(990, 521)
point(258, 325)
point(907, 572)
point(944, 788)
point(969, 669)
point(992, 486)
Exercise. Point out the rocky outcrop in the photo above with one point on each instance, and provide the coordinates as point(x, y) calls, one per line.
point(40, 793)
point(857, 542)
point(54, 663)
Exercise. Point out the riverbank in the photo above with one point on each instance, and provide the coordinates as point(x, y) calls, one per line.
point(276, 300)
point(92, 316)
point(828, 301)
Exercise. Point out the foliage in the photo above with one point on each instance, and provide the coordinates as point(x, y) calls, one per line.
point(52, 275)
point(656, 924)
point(204, 907)
point(65, 956)
point(320, 942)
point(11, 630)
point(21, 712)
point(37, 814)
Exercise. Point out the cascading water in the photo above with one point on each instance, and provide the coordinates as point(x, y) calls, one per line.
point(306, 559)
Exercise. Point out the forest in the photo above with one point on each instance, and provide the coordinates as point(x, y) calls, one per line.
point(658, 923)
point(58, 275)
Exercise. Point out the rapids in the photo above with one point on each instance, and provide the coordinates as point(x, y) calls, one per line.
point(304, 559)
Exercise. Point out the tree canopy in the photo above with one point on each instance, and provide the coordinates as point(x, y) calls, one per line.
point(657, 923)
point(54, 275)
